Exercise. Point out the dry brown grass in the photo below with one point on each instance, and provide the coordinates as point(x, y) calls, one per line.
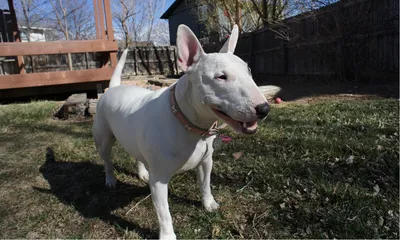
point(320, 170)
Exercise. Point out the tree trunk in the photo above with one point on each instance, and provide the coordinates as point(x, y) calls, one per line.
point(26, 10)
point(151, 20)
point(229, 16)
point(274, 13)
point(238, 15)
point(67, 38)
point(264, 12)
point(69, 54)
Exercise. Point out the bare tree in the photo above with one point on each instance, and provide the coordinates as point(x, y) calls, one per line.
point(123, 12)
point(160, 33)
point(63, 10)
point(219, 16)
point(81, 23)
point(155, 7)
point(30, 14)
point(270, 11)
point(137, 19)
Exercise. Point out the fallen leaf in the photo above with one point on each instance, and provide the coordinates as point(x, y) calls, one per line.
point(225, 138)
point(381, 221)
point(390, 212)
point(376, 190)
point(237, 155)
point(216, 230)
point(350, 159)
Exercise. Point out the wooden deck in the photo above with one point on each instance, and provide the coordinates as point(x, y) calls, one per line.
point(55, 78)
point(104, 43)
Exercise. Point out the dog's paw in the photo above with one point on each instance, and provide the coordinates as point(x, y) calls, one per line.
point(111, 182)
point(168, 236)
point(211, 205)
point(144, 175)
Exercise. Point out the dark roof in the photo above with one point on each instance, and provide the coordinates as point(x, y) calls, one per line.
point(171, 9)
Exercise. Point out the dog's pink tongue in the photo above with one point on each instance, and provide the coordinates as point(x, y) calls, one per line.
point(250, 125)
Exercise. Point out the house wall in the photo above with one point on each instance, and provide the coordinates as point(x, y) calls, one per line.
point(36, 35)
point(185, 14)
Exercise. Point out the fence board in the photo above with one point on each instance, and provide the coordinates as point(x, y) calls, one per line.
point(150, 61)
point(349, 39)
point(140, 61)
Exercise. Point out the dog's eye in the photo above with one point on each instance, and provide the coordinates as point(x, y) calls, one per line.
point(222, 77)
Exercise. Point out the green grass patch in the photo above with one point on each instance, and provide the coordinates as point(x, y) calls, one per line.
point(323, 170)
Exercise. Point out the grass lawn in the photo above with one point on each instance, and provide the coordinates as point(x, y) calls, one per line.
point(328, 169)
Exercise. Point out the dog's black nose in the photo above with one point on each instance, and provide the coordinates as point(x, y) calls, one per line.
point(262, 110)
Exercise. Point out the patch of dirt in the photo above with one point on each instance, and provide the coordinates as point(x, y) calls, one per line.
point(301, 93)
point(314, 92)
point(145, 83)
point(321, 98)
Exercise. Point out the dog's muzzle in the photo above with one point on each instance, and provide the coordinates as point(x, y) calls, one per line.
point(262, 110)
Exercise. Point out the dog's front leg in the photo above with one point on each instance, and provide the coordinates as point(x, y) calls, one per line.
point(159, 195)
point(204, 178)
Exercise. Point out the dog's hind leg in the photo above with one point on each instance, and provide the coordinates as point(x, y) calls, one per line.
point(143, 173)
point(105, 154)
point(104, 140)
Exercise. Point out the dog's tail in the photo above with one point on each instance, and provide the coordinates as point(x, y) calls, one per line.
point(116, 77)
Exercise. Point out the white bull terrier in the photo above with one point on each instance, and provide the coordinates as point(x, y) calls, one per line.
point(172, 130)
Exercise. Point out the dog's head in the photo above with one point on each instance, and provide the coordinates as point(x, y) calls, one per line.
point(222, 83)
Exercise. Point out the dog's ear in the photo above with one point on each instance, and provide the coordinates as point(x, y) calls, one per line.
point(230, 44)
point(189, 48)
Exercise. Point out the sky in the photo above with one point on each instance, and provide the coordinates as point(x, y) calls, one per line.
point(169, 3)
point(47, 7)
point(4, 4)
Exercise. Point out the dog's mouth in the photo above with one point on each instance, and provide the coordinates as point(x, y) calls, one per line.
point(238, 126)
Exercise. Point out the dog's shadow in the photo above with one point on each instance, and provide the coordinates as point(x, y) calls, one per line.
point(82, 185)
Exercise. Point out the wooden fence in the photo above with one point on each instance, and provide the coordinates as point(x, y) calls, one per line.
point(140, 61)
point(151, 61)
point(352, 39)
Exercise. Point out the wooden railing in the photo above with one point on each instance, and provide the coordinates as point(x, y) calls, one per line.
point(104, 43)
point(58, 47)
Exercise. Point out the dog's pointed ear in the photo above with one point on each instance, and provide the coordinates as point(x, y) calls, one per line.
point(230, 44)
point(189, 48)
